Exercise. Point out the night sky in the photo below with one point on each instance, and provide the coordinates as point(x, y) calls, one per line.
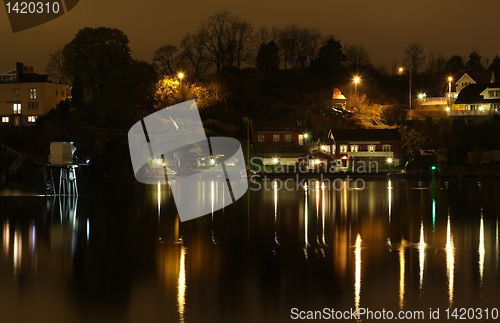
point(385, 28)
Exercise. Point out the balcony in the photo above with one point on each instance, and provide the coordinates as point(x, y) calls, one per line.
point(468, 113)
point(373, 154)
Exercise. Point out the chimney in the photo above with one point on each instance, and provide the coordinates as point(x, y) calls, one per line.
point(19, 72)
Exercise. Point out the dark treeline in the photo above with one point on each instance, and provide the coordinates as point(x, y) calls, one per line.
point(234, 71)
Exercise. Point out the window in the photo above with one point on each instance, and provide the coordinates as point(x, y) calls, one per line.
point(288, 137)
point(32, 94)
point(371, 148)
point(494, 94)
point(32, 105)
point(62, 94)
point(16, 92)
point(354, 148)
point(301, 139)
point(17, 108)
point(276, 137)
point(5, 119)
point(343, 149)
point(56, 92)
point(32, 118)
point(386, 148)
point(262, 137)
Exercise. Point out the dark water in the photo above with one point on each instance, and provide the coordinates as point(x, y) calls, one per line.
point(118, 253)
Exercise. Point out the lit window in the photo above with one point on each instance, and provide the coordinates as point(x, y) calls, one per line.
point(32, 105)
point(16, 92)
point(354, 148)
point(32, 94)
point(343, 149)
point(371, 148)
point(262, 137)
point(5, 119)
point(32, 118)
point(17, 108)
point(386, 148)
point(276, 137)
point(288, 137)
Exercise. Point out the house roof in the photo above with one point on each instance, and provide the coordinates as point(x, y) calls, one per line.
point(317, 155)
point(472, 94)
point(365, 135)
point(480, 76)
point(274, 124)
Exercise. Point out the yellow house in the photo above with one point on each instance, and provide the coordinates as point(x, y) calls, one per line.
point(28, 96)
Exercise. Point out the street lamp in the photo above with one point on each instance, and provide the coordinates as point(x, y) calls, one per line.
point(400, 72)
point(389, 161)
point(181, 75)
point(356, 81)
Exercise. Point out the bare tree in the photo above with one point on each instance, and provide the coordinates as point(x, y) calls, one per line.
point(55, 67)
point(288, 42)
point(165, 60)
point(357, 58)
point(226, 38)
point(414, 57)
point(435, 62)
point(194, 54)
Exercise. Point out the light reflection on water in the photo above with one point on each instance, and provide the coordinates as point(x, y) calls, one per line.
point(300, 248)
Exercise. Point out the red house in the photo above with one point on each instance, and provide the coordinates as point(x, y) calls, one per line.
point(277, 132)
point(368, 145)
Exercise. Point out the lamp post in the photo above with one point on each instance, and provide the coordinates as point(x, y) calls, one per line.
point(181, 76)
point(449, 91)
point(356, 80)
point(409, 87)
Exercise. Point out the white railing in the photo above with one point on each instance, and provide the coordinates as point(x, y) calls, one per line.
point(465, 113)
point(372, 154)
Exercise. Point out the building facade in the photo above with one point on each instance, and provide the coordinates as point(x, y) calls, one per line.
point(277, 132)
point(477, 100)
point(381, 146)
point(28, 96)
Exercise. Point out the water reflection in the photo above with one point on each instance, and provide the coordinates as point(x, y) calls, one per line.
point(450, 262)
point(402, 266)
point(357, 280)
point(421, 257)
point(481, 250)
point(181, 285)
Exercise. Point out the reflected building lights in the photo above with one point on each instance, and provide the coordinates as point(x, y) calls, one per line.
point(421, 256)
point(496, 246)
point(212, 197)
point(434, 215)
point(32, 238)
point(306, 224)
point(357, 283)
point(450, 262)
point(181, 285)
point(344, 198)
point(402, 266)
point(481, 251)
point(18, 251)
point(389, 192)
point(275, 186)
point(6, 237)
point(323, 213)
point(159, 201)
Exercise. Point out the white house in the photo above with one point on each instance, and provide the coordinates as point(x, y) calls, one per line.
point(477, 100)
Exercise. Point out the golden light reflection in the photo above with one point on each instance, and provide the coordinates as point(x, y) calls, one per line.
point(496, 245)
point(306, 224)
point(181, 285)
point(18, 250)
point(159, 201)
point(32, 238)
point(344, 198)
point(389, 192)
point(275, 186)
point(212, 194)
point(421, 256)
point(323, 213)
point(481, 251)
point(357, 283)
point(450, 262)
point(402, 266)
point(6, 237)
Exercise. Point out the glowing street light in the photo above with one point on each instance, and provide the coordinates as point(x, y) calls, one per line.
point(275, 160)
point(389, 161)
point(181, 75)
point(305, 135)
point(356, 81)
